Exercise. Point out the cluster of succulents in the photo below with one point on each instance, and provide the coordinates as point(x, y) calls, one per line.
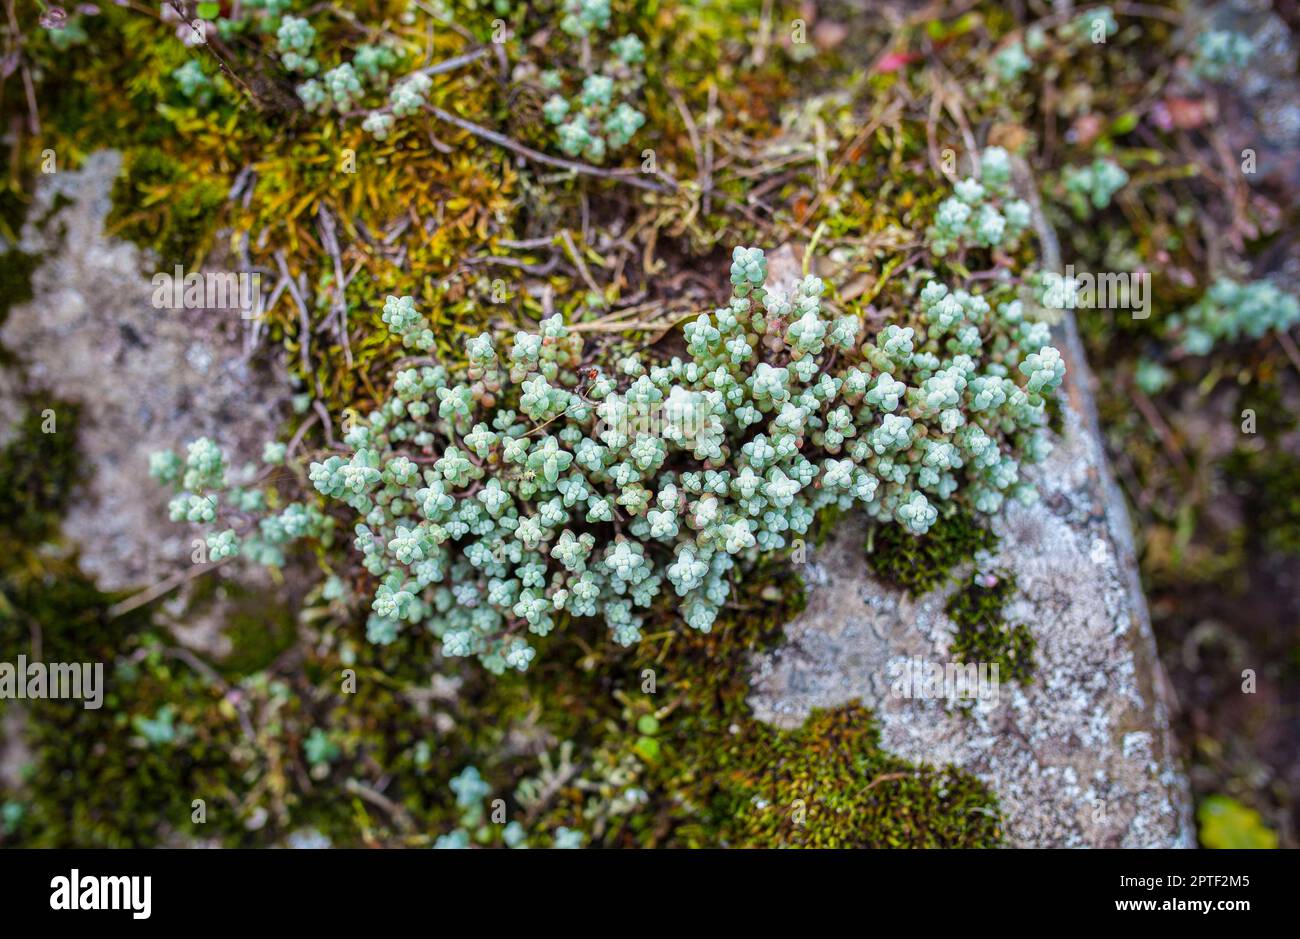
point(194, 82)
point(596, 119)
point(205, 494)
point(343, 88)
point(982, 212)
point(592, 118)
point(1095, 25)
point(471, 790)
point(1230, 311)
point(534, 486)
point(1011, 61)
point(294, 39)
point(1221, 53)
point(1091, 187)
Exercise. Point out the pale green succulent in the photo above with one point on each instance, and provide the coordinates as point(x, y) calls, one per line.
point(1011, 62)
point(194, 84)
point(1231, 311)
point(556, 488)
point(408, 95)
point(343, 87)
point(1093, 186)
point(294, 39)
point(1221, 53)
point(582, 17)
point(981, 212)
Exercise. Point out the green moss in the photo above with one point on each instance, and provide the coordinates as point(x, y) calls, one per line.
point(99, 784)
point(1227, 824)
point(159, 203)
point(16, 269)
point(984, 636)
point(919, 565)
point(828, 784)
point(1268, 481)
point(38, 470)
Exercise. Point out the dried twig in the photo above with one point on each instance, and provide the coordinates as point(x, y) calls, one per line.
point(631, 177)
point(1288, 346)
point(887, 777)
point(329, 239)
point(572, 250)
point(395, 811)
point(1162, 429)
point(164, 586)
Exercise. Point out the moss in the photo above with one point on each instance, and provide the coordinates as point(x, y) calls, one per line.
point(99, 784)
point(94, 783)
point(38, 470)
point(1056, 415)
point(1268, 481)
point(258, 623)
point(16, 269)
point(1273, 416)
point(828, 784)
point(919, 565)
point(984, 636)
point(157, 202)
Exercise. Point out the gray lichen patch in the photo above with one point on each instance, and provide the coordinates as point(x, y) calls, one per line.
point(1080, 757)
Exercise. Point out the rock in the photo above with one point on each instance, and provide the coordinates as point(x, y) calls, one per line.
point(1083, 756)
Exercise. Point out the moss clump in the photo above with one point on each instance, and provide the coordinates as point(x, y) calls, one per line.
point(38, 471)
point(1227, 824)
point(921, 564)
point(95, 782)
point(258, 636)
point(16, 269)
point(828, 784)
point(983, 635)
point(157, 201)
point(100, 783)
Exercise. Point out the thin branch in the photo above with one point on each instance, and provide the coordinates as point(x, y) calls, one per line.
point(165, 586)
point(1288, 346)
point(631, 177)
point(329, 239)
point(395, 811)
point(453, 63)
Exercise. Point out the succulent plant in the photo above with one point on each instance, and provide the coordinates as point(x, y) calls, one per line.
point(494, 501)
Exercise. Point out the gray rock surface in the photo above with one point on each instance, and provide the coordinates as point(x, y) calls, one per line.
point(1081, 757)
